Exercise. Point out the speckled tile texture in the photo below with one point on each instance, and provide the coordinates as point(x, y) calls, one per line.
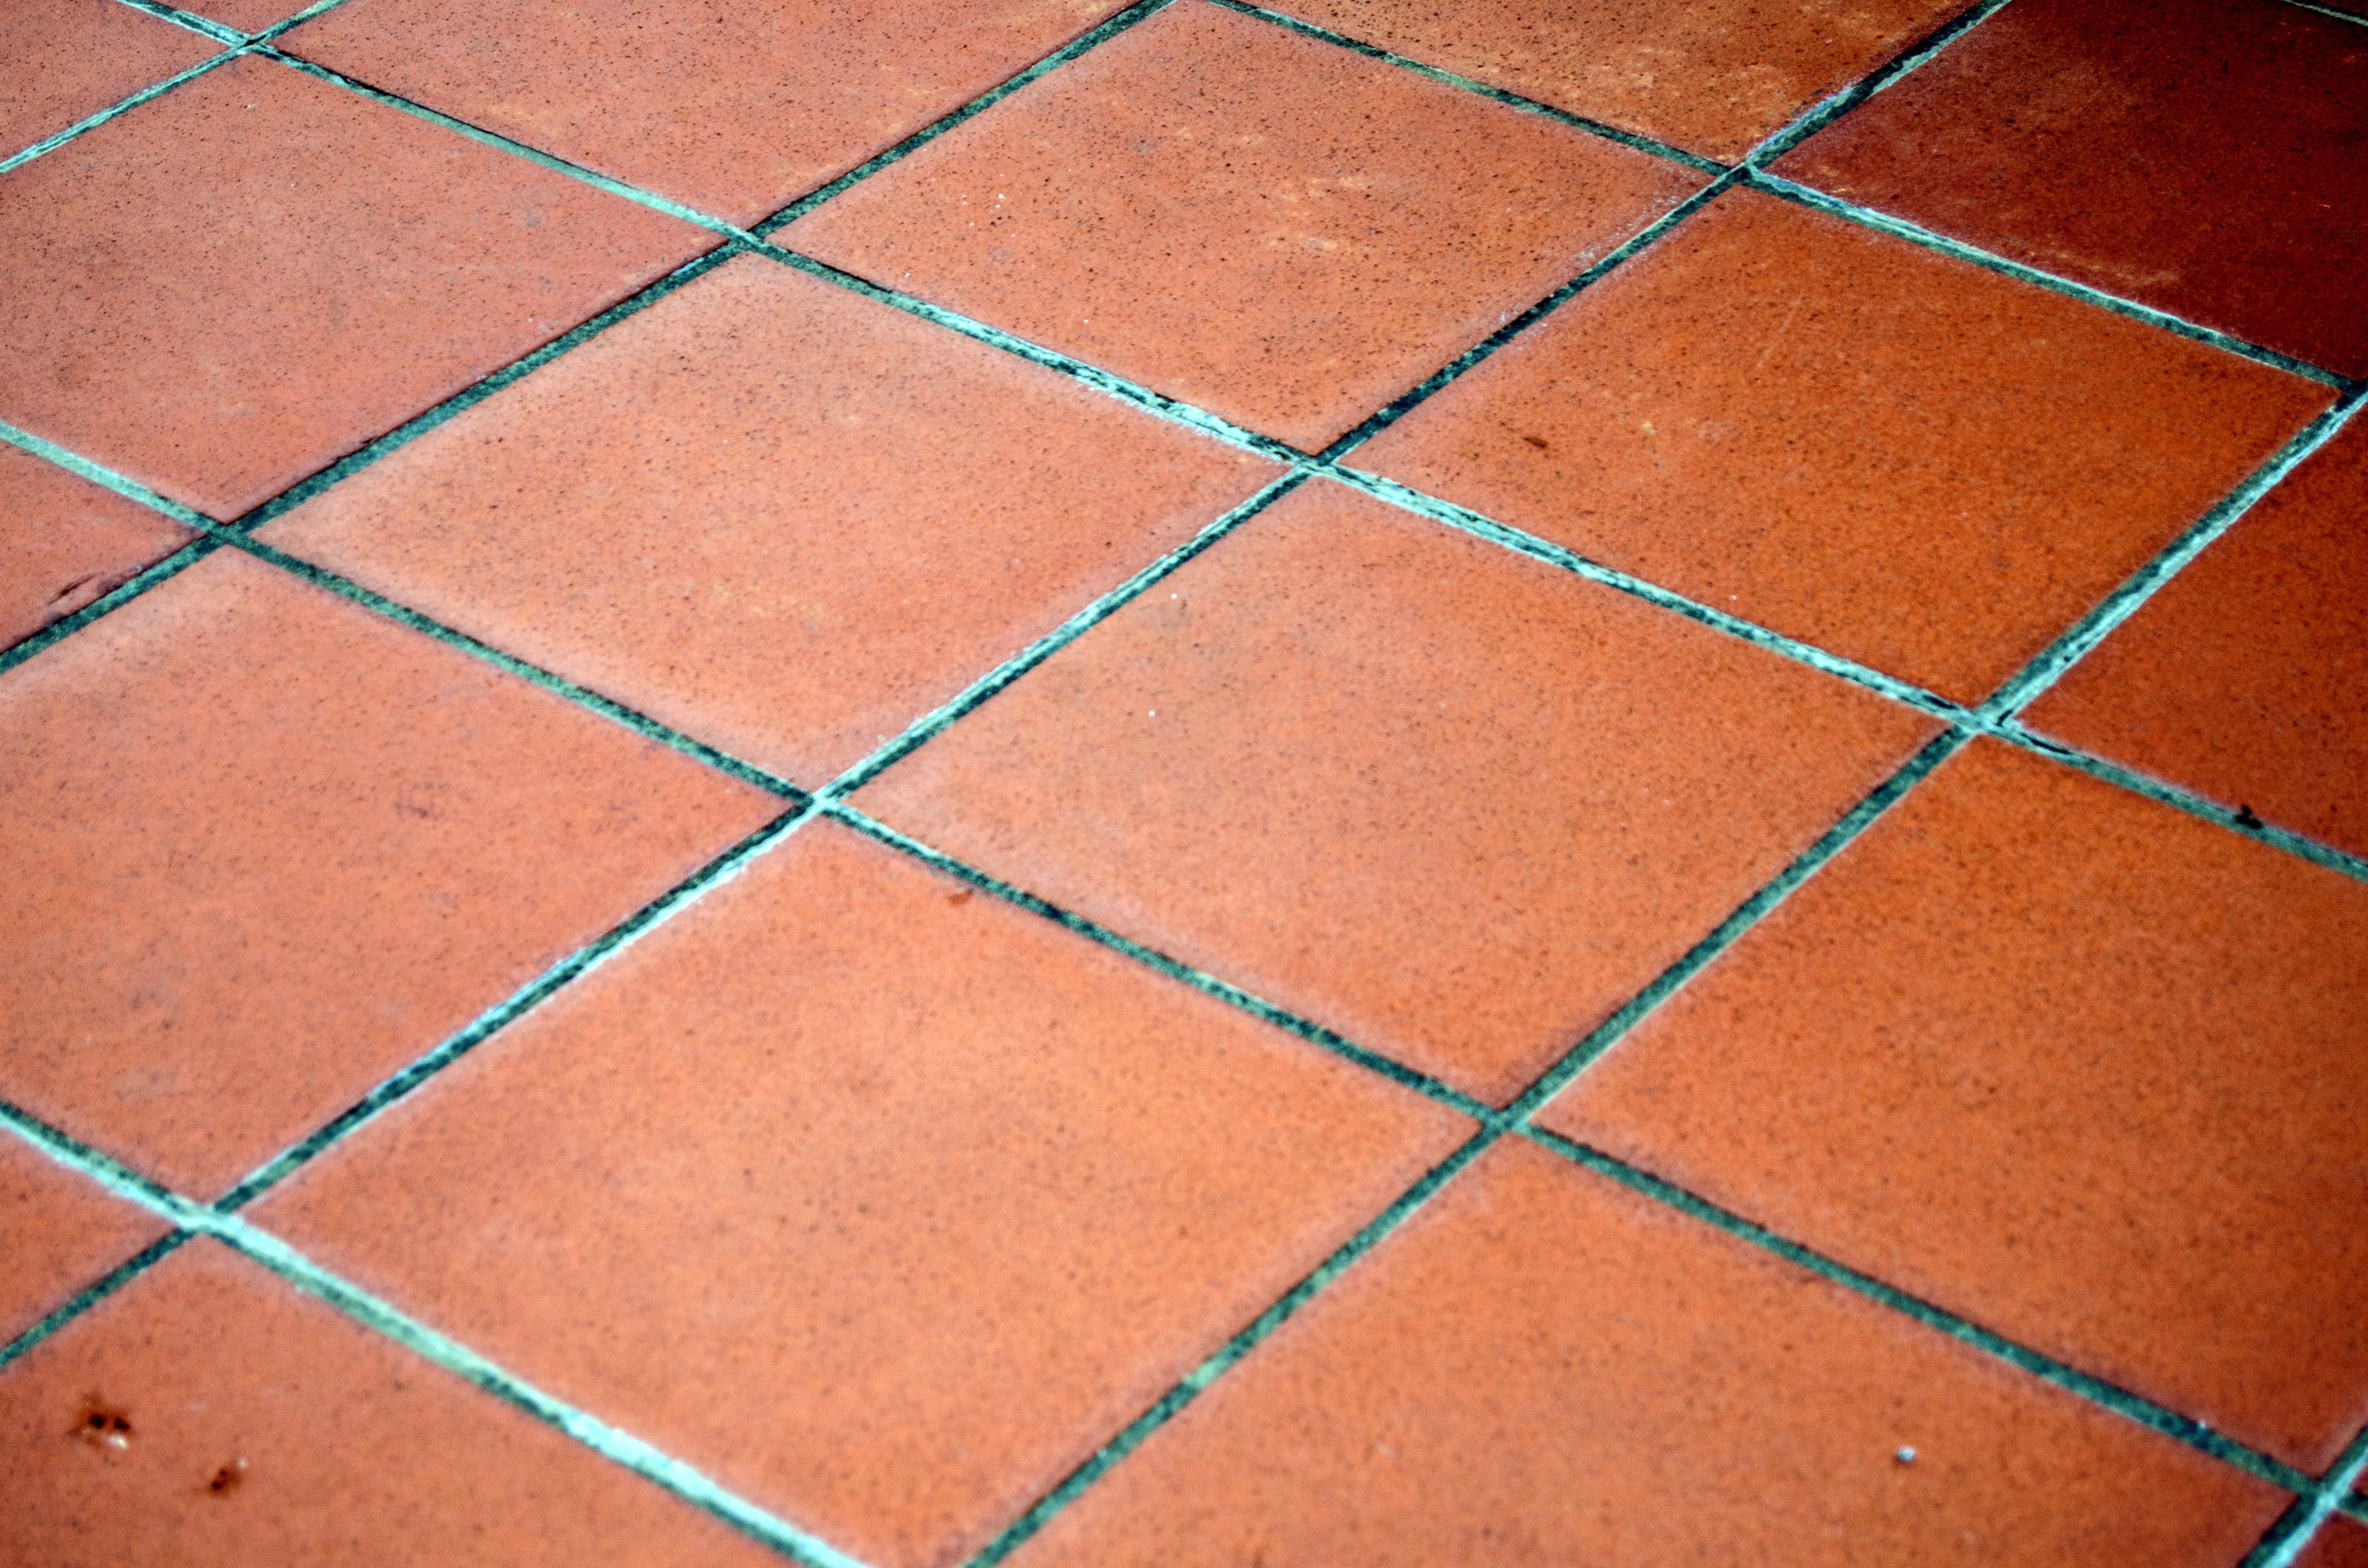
point(1060, 783)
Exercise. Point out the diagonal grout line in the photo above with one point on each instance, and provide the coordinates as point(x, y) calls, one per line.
point(171, 566)
point(2356, 20)
point(1816, 116)
point(1932, 240)
point(2284, 1542)
point(2142, 585)
point(205, 27)
point(2096, 1391)
point(50, 143)
point(298, 20)
point(1103, 32)
point(1200, 980)
point(106, 1285)
point(261, 1246)
point(1641, 143)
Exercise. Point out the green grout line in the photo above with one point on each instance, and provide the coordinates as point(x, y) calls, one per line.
point(2125, 601)
point(204, 27)
point(1818, 115)
point(2292, 1534)
point(2355, 18)
point(1199, 979)
point(1932, 240)
point(399, 1085)
point(2094, 1389)
point(92, 122)
point(262, 1247)
point(298, 20)
point(933, 723)
point(65, 625)
point(83, 468)
point(106, 1285)
point(1631, 138)
point(1243, 1341)
point(1108, 28)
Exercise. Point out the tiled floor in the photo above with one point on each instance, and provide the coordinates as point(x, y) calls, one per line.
point(908, 785)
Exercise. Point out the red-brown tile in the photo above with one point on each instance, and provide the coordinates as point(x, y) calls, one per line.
point(1714, 78)
point(1174, 207)
point(2075, 1064)
point(774, 514)
point(2242, 677)
point(257, 272)
point(732, 110)
point(2208, 158)
point(1892, 454)
point(211, 1414)
point(64, 541)
point(1542, 1366)
point(1453, 802)
point(248, 16)
point(59, 1233)
point(931, 1193)
point(64, 60)
point(264, 848)
point(2340, 1543)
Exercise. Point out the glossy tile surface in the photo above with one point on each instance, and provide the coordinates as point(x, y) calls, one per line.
point(1913, 1067)
point(935, 1194)
point(1546, 1368)
point(1894, 455)
point(2205, 159)
point(1168, 207)
point(2243, 680)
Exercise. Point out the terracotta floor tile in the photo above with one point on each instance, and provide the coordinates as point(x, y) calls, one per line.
point(2207, 157)
point(1714, 78)
point(211, 1414)
point(1454, 803)
point(774, 514)
point(933, 1194)
point(65, 541)
point(2341, 1543)
point(2242, 677)
point(2076, 1065)
point(248, 16)
point(733, 109)
point(1173, 206)
point(257, 272)
point(63, 60)
point(264, 848)
point(59, 1234)
point(1544, 1367)
point(1892, 454)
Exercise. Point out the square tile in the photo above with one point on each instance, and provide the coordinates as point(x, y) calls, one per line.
point(1894, 455)
point(60, 1234)
point(264, 848)
point(2205, 157)
point(929, 1192)
point(254, 274)
point(732, 110)
point(1542, 1366)
point(65, 541)
point(774, 514)
point(1715, 77)
point(2076, 1065)
point(1451, 803)
point(65, 60)
point(2242, 677)
point(209, 1412)
point(1174, 207)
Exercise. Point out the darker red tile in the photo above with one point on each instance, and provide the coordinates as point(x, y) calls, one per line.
point(2207, 158)
point(65, 541)
point(929, 1192)
point(64, 1232)
point(732, 110)
point(264, 847)
point(2074, 1064)
point(2242, 677)
point(774, 514)
point(2340, 1543)
point(1541, 1367)
point(1892, 454)
point(1453, 802)
point(65, 60)
point(1715, 77)
point(1171, 206)
point(211, 1414)
point(257, 272)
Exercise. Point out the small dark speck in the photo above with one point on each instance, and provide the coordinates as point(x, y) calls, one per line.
point(103, 1426)
point(2245, 817)
point(962, 897)
point(1539, 442)
point(228, 1479)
